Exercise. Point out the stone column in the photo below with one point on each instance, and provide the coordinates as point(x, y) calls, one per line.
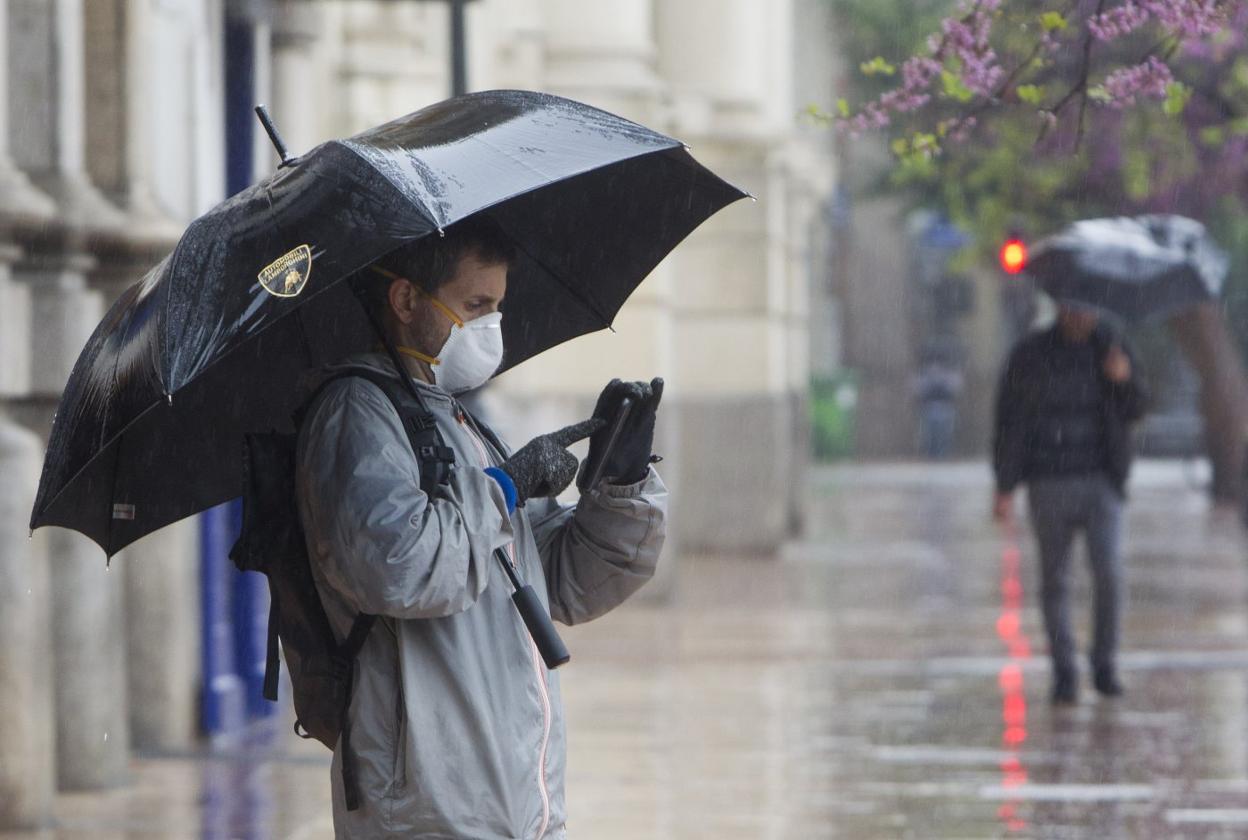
point(27, 733)
point(717, 57)
point(160, 572)
point(506, 45)
point(89, 641)
point(88, 633)
point(394, 59)
point(603, 53)
point(27, 728)
point(298, 97)
point(46, 54)
point(46, 47)
point(734, 307)
point(163, 636)
point(18, 198)
point(64, 310)
point(121, 111)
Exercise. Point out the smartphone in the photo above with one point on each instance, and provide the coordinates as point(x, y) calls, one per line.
point(617, 425)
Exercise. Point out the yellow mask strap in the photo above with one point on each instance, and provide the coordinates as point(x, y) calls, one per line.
point(416, 354)
point(446, 310)
point(408, 351)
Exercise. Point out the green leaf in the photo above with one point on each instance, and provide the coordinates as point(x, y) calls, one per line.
point(842, 107)
point(1031, 94)
point(1238, 126)
point(1177, 95)
point(914, 167)
point(1053, 21)
point(900, 146)
point(1136, 174)
point(1099, 93)
point(924, 143)
point(1212, 135)
point(877, 66)
point(954, 88)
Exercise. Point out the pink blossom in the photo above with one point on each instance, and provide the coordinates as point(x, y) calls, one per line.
point(1185, 18)
point(962, 132)
point(1119, 21)
point(1148, 79)
point(963, 42)
point(919, 71)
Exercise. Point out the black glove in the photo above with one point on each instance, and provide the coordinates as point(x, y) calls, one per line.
point(629, 460)
point(544, 466)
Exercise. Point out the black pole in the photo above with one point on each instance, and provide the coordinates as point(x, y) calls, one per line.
point(459, 48)
point(278, 143)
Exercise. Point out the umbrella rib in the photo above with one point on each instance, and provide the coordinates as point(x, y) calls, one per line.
point(581, 297)
point(112, 493)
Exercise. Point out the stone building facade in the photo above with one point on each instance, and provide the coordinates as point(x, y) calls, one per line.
point(120, 122)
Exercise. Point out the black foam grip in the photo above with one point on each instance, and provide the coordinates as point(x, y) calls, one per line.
point(541, 628)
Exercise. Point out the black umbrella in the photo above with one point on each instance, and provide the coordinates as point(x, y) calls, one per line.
point(209, 345)
point(1140, 268)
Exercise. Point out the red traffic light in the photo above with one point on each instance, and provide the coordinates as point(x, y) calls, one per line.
point(1013, 256)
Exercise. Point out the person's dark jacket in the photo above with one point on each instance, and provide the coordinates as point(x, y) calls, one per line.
point(1058, 414)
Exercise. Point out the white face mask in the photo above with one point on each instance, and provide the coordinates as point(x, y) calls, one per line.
point(471, 354)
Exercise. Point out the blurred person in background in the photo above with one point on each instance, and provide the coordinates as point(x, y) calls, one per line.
point(1067, 399)
point(937, 386)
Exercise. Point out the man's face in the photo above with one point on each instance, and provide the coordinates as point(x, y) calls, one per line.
point(476, 289)
point(1077, 324)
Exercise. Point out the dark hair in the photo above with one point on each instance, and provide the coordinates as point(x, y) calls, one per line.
point(431, 261)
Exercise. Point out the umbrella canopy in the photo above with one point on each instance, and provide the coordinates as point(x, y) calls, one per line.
point(1138, 268)
point(211, 343)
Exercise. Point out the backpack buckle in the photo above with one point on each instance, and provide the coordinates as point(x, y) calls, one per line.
point(437, 453)
point(423, 421)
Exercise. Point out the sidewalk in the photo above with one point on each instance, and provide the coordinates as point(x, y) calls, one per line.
point(885, 677)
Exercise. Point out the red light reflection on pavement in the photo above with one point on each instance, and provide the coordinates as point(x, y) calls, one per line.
point(1010, 680)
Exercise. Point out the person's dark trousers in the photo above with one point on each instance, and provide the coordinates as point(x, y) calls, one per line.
point(1061, 508)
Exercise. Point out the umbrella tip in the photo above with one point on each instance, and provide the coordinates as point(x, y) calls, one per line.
point(169, 399)
point(441, 233)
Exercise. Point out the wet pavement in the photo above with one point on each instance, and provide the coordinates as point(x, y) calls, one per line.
point(884, 677)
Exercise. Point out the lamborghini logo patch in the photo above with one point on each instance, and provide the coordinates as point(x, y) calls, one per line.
point(288, 274)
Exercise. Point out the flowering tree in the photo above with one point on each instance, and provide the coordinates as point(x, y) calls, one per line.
point(1116, 106)
point(1051, 58)
point(1038, 112)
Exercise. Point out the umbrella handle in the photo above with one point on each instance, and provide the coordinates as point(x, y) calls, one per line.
point(554, 652)
point(541, 628)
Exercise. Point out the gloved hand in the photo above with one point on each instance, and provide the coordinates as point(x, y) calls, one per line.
point(544, 466)
point(629, 460)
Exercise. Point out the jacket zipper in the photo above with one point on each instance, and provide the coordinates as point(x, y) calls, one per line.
point(534, 655)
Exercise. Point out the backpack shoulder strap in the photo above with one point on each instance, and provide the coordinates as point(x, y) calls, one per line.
point(433, 455)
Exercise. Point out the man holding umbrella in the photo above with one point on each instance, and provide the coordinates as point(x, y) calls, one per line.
point(457, 728)
point(419, 523)
point(1066, 400)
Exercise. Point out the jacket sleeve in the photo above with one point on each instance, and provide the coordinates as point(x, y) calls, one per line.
point(1009, 442)
point(1130, 398)
point(381, 542)
point(600, 551)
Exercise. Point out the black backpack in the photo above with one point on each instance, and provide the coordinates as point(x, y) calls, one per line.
point(322, 669)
